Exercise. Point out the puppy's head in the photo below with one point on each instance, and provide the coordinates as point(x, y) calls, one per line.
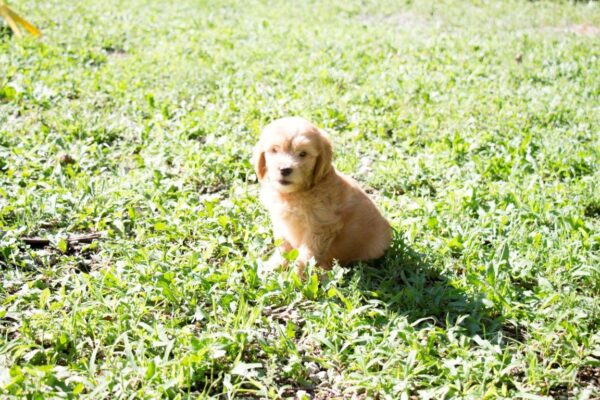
point(292, 155)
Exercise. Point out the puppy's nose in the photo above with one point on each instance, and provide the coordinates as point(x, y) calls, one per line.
point(285, 171)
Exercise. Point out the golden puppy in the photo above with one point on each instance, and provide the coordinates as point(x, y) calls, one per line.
point(314, 208)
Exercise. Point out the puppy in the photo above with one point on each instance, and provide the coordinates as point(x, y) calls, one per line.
point(314, 209)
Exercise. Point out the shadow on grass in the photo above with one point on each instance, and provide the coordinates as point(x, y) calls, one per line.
point(408, 284)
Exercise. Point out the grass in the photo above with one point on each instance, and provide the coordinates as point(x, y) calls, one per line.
point(475, 126)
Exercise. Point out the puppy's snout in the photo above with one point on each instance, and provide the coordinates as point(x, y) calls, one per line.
point(285, 171)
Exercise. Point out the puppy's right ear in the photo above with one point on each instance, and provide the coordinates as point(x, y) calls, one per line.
point(258, 159)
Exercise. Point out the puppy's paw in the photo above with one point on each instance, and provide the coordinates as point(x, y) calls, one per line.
point(274, 263)
point(300, 271)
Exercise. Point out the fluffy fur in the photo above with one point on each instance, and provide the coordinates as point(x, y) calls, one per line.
point(314, 208)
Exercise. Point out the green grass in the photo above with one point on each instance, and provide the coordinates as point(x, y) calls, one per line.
point(475, 125)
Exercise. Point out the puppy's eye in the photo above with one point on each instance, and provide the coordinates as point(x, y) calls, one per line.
point(273, 150)
point(302, 154)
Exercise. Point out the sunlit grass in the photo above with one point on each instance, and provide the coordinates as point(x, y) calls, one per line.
point(474, 125)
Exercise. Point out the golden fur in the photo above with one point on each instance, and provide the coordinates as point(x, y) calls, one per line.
point(314, 208)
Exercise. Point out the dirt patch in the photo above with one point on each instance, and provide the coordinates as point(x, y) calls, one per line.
point(517, 333)
point(584, 30)
point(589, 376)
point(115, 51)
point(73, 240)
point(83, 248)
point(579, 30)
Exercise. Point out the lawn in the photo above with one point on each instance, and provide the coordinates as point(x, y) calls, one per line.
point(475, 126)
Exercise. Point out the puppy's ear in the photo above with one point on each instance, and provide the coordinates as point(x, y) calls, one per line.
point(323, 164)
point(258, 159)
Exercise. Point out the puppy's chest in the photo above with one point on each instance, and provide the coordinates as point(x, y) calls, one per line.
point(295, 220)
point(289, 215)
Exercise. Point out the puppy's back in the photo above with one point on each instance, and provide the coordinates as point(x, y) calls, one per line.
point(366, 234)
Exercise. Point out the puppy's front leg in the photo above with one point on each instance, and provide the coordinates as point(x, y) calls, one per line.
point(277, 259)
point(314, 245)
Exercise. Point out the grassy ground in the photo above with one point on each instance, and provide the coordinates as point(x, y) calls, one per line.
point(474, 124)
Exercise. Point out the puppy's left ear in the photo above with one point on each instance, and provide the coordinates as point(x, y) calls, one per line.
point(258, 160)
point(323, 164)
